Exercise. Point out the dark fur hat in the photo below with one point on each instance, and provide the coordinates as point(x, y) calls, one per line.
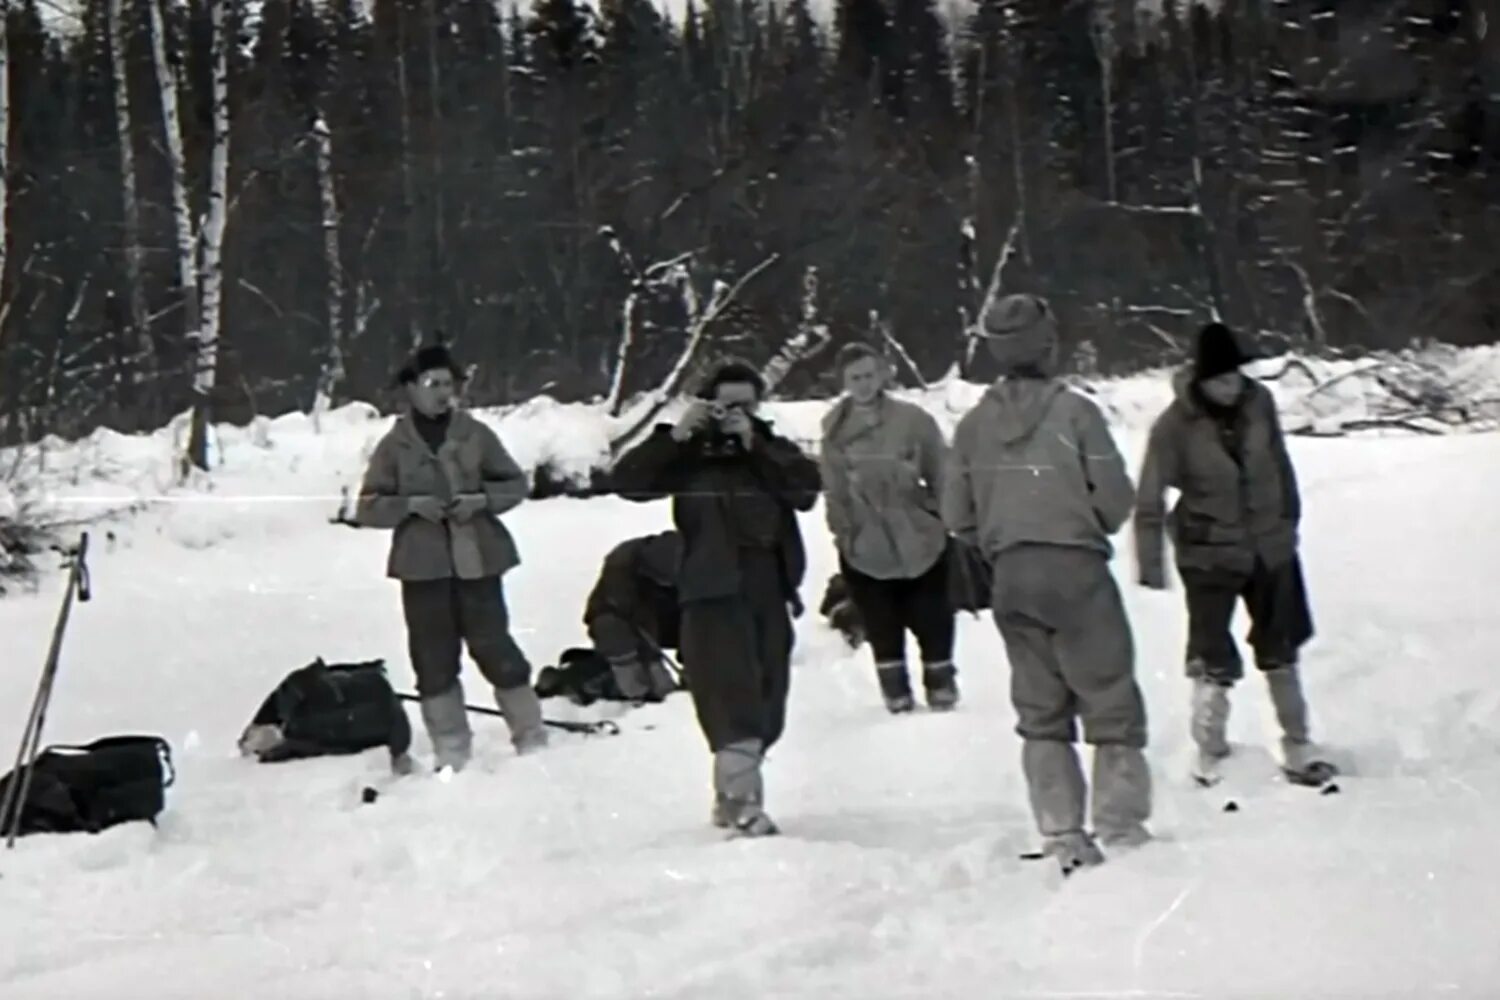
point(433, 357)
point(1218, 351)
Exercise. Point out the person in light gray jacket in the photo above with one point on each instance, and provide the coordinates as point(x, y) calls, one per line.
point(1036, 480)
point(882, 462)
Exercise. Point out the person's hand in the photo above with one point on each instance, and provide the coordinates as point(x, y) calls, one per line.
point(466, 505)
point(427, 508)
point(737, 422)
point(692, 420)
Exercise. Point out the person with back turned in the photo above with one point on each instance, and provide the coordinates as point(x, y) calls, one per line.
point(1035, 479)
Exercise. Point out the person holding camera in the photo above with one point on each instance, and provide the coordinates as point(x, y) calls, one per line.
point(735, 487)
point(439, 479)
point(882, 462)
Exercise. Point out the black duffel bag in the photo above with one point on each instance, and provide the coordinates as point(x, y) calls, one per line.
point(85, 789)
point(329, 709)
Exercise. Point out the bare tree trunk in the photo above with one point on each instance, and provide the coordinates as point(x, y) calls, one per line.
point(4, 156)
point(130, 202)
point(212, 274)
point(333, 364)
point(408, 192)
point(437, 275)
point(182, 217)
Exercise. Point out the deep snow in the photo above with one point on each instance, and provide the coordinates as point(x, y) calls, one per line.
point(590, 871)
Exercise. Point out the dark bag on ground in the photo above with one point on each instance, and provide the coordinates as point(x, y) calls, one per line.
point(327, 709)
point(86, 789)
point(583, 676)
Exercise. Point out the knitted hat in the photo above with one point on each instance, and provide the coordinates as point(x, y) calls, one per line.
point(1022, 332)
point(1218, 352)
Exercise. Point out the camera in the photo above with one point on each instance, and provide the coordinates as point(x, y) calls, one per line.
point(716, 440)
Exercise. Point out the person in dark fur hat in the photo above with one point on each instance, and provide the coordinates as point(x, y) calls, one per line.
point(440, 479)
point(1235, 526)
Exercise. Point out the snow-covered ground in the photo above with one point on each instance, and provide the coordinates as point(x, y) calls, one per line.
point(590, 871)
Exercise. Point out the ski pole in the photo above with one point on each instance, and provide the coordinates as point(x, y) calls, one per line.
point(19, 786)
point(603, 726)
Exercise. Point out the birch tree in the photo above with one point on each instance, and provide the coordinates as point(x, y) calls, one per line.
point(182, 219)
point(333, 364)
point(211, 275)
point(4, 154)
point(135, 292)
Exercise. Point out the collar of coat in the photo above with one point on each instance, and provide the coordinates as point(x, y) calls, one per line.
point(462, 425)
point(836, 418)
point(1182, 388)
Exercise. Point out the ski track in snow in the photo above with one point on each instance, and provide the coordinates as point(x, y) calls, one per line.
point(590, 871)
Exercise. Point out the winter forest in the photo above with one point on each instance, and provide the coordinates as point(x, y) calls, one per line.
point(253, 207)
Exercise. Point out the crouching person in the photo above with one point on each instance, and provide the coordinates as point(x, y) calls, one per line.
point(1220, 444)
point(735, 487)
point(440, 479)
point(1035, 478)
point(632, 614)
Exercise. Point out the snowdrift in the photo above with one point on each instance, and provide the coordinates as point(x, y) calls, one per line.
point(563, 446)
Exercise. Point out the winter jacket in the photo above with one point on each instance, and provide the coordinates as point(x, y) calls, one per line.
point(882, 468)
point(1035, 463)
point(471, 459)
point(1238, 491)
point(638, 583)
point(723, 500)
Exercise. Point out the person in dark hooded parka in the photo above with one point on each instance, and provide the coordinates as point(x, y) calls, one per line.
point(1035, 480)
point(1234, 527)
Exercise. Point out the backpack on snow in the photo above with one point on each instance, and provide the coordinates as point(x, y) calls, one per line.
point(86, 789)
point(328, 709)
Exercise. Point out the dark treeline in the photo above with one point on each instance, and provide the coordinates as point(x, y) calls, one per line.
point(1323, 169)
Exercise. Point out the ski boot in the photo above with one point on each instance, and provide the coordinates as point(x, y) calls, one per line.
point(941, 683)
point(895, 687)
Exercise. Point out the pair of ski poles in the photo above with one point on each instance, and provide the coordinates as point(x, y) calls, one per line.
point(13, 806)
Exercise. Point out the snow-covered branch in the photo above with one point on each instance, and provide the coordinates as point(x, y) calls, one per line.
point(699, 319)
point(657, 275)
point(881, 327)
point(809, 339)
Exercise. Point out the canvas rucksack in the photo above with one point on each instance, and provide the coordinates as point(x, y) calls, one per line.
point(326, 709)
point(85, 789)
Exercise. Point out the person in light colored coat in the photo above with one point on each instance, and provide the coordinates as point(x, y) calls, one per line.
point(439, 480)
point(882, 465)
point(1036, 481)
